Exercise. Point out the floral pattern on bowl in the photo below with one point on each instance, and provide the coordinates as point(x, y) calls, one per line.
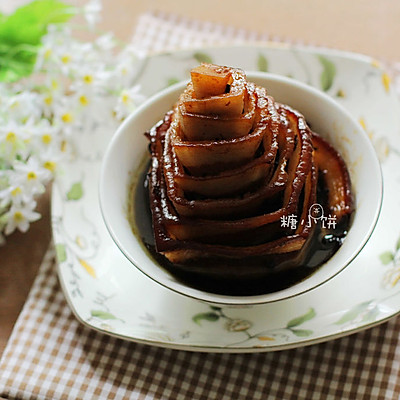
point(108, 294)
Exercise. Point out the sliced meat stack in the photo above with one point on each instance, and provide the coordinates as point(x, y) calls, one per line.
point(229, 168)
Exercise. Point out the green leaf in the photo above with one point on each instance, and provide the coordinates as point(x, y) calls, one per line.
point(302, 332)
point(353, 313)
point(262, 63)
point(12, 71)
point(202, 57)
point(29, 23)
point(328, 73)
point(76, 191)
point(3, 220)
point(21, 34)
point(371, 315)
point(303, 318)
point(61, 252)
point(398, 244)
point(102, 314)
point(208, 316)
point(172, 81)
point(386, 258)
point(16, 61)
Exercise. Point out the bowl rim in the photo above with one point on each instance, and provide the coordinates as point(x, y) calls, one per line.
point(219, 299)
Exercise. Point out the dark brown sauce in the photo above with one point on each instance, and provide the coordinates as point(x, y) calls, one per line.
point(324, 244)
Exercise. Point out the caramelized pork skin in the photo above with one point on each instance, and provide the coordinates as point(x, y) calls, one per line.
point(228, 165)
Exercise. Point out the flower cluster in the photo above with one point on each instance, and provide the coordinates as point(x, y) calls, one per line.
point(75, 85)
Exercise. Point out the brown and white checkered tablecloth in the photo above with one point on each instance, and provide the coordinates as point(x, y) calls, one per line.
point(50, 355)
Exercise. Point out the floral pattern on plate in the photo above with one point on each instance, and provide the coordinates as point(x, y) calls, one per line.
point(108, 294)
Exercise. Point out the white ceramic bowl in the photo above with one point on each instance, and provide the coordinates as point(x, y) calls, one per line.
point(326, 116)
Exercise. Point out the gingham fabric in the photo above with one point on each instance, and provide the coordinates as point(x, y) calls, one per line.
point(164, 32)
point(50, 355)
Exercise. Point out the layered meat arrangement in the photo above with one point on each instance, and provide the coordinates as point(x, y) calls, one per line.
point(234, 176)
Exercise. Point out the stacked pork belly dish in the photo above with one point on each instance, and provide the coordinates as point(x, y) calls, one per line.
point(244, 196)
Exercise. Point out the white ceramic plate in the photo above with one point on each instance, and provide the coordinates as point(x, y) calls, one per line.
point(108, 294)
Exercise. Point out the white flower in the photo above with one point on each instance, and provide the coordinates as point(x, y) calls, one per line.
point(92, 12)
point(52, 94)
point(20, 217)
point(105, 43)
point(43, 58)
point(50, 159)
point(90, 80)
point(45, 136)
point(127, 66)
point(30, 175)
point(23, 106)
point(76, 88)
point(128, 102)
point(66, 116)
point(13, 137)
point(238, 325)
point(55, 37)
point(13, 194)
point(71, 56)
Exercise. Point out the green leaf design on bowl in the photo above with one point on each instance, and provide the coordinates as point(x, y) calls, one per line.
point(61, 252)
point(302, 332)
point(262, 63)
point(353, 313)
point(104, 315)
point(310, 314)
point(328, 73)
point(202, 57)
point(207, 316)
point(172, 81)
point(75, 192)
point(386, 257)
